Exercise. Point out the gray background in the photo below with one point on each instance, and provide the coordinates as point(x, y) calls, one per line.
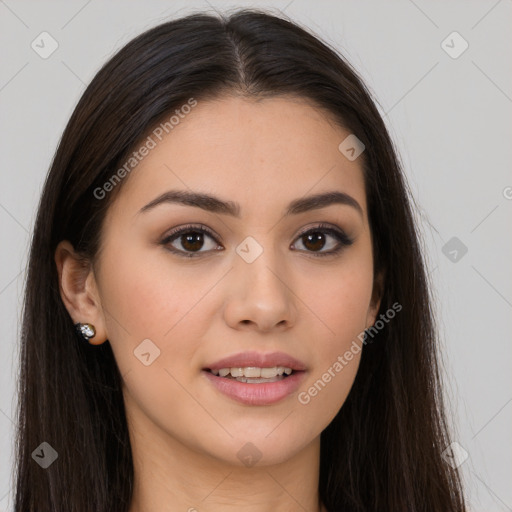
point(449, 117)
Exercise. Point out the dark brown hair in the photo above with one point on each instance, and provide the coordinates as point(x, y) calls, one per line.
point(382, 452)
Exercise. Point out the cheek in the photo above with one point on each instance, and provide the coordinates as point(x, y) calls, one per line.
point(145, 298)
point(158, 311)
point(343, 312)
point(340, 301)
point(326, 391)
point(143, 289)
point(135, 293)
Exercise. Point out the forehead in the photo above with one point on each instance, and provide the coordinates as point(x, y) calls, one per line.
point(259, 153)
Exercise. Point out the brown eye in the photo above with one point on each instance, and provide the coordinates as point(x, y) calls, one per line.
point(192, 241)
point(316, 239)
point(189, 240)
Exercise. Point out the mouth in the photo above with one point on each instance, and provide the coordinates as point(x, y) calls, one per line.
point(252, 378)
point(253, 374)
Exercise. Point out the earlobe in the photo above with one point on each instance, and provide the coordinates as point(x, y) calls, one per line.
point(78, 290)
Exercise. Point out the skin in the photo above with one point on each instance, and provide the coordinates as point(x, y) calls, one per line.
point(185, 435)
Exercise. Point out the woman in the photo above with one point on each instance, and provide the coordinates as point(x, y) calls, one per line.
point(226, 304)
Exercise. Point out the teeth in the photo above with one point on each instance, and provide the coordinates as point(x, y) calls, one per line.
point(250, 371)
point(253, 372)
point(268, 373)
point(237, 372)
point(248, 380)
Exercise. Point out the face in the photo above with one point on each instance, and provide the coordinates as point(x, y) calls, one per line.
point(183, 287)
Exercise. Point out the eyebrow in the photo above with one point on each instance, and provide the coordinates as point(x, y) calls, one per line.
point(213, 204)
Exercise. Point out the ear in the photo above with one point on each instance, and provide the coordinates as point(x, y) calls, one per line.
point(78, 290)
point(377, 293)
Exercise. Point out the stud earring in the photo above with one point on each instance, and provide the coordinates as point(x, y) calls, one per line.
point(85, 331)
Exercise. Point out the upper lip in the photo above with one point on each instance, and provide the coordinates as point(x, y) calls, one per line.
point(257, 359)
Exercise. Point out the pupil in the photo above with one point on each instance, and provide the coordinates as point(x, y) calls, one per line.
point(317, 239)
point(191, 240)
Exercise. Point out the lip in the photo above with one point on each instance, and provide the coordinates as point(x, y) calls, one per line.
point(257, 394)
point(244, 359)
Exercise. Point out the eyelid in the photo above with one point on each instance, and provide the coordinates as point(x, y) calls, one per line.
point(188, 227)
point(329, 228)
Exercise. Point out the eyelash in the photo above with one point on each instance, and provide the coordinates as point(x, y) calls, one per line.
point(338, 234)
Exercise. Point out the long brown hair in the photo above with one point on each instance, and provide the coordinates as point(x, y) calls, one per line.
point(382, 452)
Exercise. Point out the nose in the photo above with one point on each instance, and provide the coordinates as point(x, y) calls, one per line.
point(260, 294)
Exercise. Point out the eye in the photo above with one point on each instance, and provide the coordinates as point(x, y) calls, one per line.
point(315, 239)
point(190, 238)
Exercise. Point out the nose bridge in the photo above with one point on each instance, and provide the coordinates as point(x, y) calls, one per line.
point(260, 265)
point(261, 289)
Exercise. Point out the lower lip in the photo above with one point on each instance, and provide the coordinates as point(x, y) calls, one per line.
point(257, 394)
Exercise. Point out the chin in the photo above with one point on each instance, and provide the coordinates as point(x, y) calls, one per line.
point(250, 450)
